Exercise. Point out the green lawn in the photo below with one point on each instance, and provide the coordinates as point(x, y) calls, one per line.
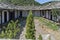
point(50, 24)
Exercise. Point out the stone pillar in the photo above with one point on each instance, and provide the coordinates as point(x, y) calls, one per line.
point(16, 14)
point(7, 15)
point(2, 17)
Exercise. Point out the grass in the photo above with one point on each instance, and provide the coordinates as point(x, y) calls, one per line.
point(50, 24)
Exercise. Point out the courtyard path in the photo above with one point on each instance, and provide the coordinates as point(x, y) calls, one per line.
point(43, 31)
point(40, 29)
point(22, 34)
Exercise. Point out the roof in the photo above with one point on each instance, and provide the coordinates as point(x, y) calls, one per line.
point(49, 5)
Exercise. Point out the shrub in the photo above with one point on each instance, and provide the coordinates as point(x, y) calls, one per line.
point(40, 37)
point(11, 30)
point(30, 27)
point(2, 35)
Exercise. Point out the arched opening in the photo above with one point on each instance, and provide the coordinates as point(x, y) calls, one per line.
point(50, 17)
point(11, 15)
point(20, 14)
point(5, 16)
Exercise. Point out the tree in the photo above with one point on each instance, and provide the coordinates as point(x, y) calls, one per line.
point(12, 29)
point(30, 27)
point(21, 2)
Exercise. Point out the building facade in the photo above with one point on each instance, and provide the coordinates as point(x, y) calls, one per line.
point(9, 12)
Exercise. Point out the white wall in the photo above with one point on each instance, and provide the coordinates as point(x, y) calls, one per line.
point(18, 13)
point(25, 13)
point(46, 14)
point(36, 13)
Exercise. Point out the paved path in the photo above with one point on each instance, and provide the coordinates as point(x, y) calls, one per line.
point(39, 30)
point(22, 34)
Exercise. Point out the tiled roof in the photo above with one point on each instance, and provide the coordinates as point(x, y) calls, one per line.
point(44, 7)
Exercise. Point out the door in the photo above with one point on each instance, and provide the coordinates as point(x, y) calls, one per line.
point(51, 17)
point(11, 15)
point(5, 16)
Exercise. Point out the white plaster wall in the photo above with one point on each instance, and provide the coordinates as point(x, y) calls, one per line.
point(25, 13)
point(18, 13)
point(46, 14)
point(36, 13)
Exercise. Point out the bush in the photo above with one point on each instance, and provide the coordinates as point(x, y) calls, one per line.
point(11, 30)
point(30, 27)
point(40, 37)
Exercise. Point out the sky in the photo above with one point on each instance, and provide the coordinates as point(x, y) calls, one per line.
point(43, 1)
